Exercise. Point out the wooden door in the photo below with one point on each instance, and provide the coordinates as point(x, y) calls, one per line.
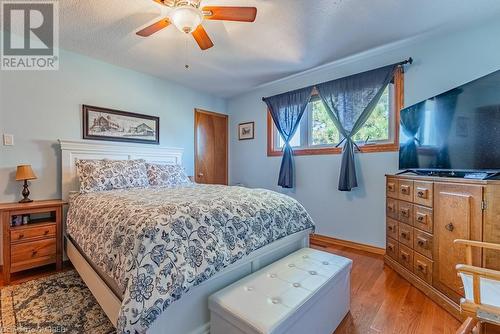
point(457, 215)
point(210, 147)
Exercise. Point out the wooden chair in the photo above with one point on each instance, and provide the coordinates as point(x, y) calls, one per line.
point(482, 290)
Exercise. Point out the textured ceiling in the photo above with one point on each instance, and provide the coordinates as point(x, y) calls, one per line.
point(288, 36)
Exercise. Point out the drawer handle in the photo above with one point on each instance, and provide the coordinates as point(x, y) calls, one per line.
point(422, 268)
point(405, 190)
point(390, 247)
point(405, 235)
point(422, 242)
point(390, 186)
point(33, 253)
point(405, 212)
point(420, 194)
point(390, 228)
point(20, 236)
point(450, 227)
point(421, 218)
point(404, 256)
point(46, 232)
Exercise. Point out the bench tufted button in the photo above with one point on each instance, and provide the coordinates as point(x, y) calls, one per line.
point(291, 265)
point(272, 275)
point(305, 256)
point(325, 263)
point(313, 272)
point(296, 285)
point(275, 300)
point(249, 288)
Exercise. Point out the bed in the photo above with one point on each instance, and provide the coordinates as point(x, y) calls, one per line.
point(152, 256)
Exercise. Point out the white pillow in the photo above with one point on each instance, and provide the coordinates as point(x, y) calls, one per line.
point(99, 175)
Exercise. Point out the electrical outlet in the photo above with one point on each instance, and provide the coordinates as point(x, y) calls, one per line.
point(8, 140)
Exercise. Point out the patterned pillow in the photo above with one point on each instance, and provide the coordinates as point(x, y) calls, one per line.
point(170, 175)
point(99, 175)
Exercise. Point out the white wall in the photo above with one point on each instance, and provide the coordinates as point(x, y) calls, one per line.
point(441, 63)
point(39, 107)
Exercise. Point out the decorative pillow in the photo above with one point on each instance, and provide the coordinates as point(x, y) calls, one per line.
point(99, 175)
point(164, 175)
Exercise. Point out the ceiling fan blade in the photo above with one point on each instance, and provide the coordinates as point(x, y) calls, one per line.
point(242, 14)
point(201, 37)
point(149, 30)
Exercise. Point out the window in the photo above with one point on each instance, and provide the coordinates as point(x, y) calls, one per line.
point(317, 134)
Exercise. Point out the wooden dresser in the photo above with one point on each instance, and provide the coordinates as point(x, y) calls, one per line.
point(37, 243)
point(424, 216)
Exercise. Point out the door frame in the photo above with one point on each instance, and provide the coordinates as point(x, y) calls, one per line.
point(202, 111)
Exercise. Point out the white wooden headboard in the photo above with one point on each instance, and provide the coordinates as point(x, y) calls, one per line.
point(74, 150)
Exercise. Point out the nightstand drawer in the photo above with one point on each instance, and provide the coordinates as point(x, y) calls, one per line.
point(24, 254)
point(28, 233)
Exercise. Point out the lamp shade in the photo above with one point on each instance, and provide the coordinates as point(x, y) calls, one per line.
point(24, 172)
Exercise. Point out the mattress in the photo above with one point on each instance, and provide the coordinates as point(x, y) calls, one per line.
point(152, 245)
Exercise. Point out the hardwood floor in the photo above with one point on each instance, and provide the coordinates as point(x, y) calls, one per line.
point(384, 302)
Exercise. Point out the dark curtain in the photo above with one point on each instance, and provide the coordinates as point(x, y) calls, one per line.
point(411, 119)
point(349, 102)
point(286, 111)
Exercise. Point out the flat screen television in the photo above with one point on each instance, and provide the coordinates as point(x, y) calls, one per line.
point(457, 131)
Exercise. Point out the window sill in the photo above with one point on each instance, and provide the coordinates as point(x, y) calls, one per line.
point(337, 150)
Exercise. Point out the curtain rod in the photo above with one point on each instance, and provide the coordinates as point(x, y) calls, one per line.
point(408, 61)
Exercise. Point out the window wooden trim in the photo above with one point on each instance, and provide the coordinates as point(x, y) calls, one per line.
point(387, 147)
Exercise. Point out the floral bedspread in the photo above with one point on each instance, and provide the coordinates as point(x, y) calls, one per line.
point(158, 243)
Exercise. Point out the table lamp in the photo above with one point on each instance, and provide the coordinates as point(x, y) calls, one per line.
point(25, 173)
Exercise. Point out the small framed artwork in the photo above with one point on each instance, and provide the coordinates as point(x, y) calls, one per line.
point(246, 130)
point(116, 125)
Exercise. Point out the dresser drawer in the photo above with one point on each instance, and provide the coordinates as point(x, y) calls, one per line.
point(405, 212)
point(28, 233)
point(422, 267)
point(392, 228)
point(405, 235)
point(422, 243)
point(422, 218)
point(391, 248)
point(23, 254)
point(391, 187)
point(406, 257)
point(423, 193)
point(405, 190)
point(392, 208)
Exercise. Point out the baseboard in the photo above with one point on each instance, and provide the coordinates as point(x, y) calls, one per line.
point(325, 241)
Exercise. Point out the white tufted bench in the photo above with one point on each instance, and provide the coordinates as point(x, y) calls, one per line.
point(305, 292)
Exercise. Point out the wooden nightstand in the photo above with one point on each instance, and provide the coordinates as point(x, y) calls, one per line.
point(35, 244)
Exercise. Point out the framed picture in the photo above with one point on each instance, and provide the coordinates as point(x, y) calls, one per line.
point(246, 130)
point(115, 125)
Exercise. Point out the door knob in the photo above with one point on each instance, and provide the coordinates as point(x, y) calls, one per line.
point(450, 227)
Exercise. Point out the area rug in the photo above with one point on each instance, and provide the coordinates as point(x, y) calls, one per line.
point(60, 303)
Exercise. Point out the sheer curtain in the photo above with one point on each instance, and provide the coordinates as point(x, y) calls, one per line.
point(350, 101)
point(286, 111)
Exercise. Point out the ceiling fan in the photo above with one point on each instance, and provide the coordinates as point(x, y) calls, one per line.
point(187, 16)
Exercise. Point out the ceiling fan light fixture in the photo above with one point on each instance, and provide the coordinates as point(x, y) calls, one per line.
point(186, 18)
